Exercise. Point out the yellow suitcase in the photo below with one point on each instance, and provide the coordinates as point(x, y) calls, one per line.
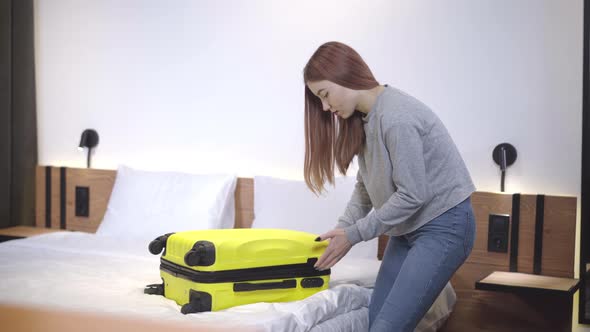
point(210, 270)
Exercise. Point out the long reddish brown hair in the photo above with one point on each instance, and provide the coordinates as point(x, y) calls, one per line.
point(330, 141)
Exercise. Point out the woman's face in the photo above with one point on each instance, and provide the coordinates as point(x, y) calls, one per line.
point(335, 98)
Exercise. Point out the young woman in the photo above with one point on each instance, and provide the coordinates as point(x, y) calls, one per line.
point(410, 173)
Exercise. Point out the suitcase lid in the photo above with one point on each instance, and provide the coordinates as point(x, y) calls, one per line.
point(234, 249)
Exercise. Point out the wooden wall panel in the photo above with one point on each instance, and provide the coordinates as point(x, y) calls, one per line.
point(40, 196)
point(100, 184)
point(558, 236)
point(484, 204)
point(55, 198)
point(526, 243)
point(244, 203)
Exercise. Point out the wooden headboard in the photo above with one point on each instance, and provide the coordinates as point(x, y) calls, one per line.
point(56, 193)
point(541, 241)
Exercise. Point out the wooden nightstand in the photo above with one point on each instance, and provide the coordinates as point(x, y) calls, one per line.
point(549, 297)
point(524, 283)
point(19, 232)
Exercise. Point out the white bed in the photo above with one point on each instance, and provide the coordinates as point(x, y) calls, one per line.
point(106, 272)
point(94, 273)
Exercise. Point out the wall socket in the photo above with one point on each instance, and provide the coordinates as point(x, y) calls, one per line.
point(82, 201)
point(498, 232)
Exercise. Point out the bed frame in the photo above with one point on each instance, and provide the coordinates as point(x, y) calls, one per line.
point(17, 318)
point(540, 242)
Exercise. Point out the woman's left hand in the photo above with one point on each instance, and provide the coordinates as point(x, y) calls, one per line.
point(338, 247)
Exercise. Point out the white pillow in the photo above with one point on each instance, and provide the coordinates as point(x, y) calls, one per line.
point(146, 204)
point(289, 204)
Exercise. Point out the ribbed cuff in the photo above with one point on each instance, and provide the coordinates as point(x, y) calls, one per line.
point(353, 234)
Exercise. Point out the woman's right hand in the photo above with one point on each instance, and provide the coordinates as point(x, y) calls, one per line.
point(338, 248)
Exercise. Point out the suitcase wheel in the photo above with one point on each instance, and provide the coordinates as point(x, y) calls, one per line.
point(202, 254)
point(156, 246)
point(192, 257)
point(154, 289)
point(199, 302)
point(190, 308)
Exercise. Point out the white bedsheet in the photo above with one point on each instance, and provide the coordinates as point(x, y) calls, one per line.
point(105, 274)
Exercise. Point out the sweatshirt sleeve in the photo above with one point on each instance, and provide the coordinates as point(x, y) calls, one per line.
point(404, 144)
point(358, 206)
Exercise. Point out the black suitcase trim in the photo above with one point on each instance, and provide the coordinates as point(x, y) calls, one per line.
point(249, 287)
point(250, 274)
point(198, 302)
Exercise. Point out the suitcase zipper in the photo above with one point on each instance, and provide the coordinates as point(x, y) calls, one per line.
point(257, 273)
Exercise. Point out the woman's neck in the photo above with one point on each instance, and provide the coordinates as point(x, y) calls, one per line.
point(367, 98)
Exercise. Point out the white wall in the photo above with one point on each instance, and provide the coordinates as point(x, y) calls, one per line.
point(216, 86)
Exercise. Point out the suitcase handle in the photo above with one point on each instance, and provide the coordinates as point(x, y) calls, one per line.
point(154, 289)
point(248, 287)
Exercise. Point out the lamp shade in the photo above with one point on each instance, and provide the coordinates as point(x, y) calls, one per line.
point(504, 155)
point(89, 139)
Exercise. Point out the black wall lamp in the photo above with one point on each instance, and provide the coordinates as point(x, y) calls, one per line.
point(88, 140)
point(504, 155)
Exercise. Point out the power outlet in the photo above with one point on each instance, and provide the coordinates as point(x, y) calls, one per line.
point(82, 201)
point(498, 232)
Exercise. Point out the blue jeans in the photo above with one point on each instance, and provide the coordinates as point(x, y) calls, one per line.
point(417, 266)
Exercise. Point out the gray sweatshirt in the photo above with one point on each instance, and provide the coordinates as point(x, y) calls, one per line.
point(410, 170)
